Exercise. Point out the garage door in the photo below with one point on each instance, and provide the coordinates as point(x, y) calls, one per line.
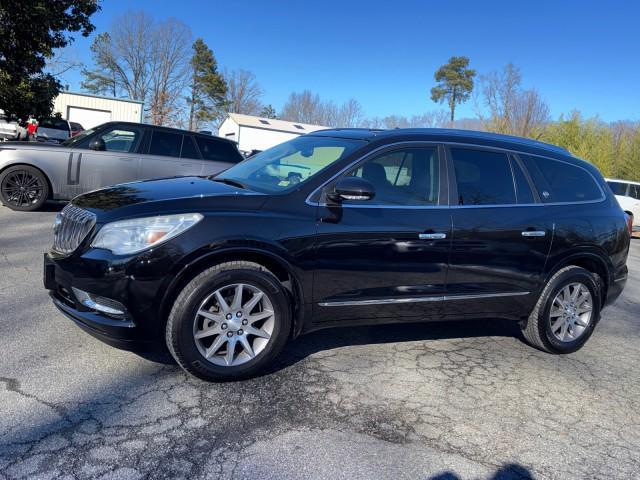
point(88, 118)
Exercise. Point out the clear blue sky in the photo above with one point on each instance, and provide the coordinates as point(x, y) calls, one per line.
point(578, 54)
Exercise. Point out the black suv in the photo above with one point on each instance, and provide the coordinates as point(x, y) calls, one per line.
point(343, 227)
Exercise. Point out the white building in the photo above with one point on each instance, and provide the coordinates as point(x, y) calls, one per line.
point(92, 110)
point(256, 133)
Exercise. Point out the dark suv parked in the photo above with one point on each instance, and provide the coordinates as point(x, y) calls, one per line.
point(343, 227)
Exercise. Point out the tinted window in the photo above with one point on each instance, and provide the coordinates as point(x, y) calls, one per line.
point(523, 190)
point(483, 177)
point(121, 139)
point(403, 177)
point(54, 123)
point(618, 188)
point(563, 182)
point(218, 151)
point(165, 143)
point(634, 191)
point(189, 148)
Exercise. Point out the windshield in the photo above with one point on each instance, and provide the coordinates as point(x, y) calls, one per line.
point(70, 142)
point(289, 164)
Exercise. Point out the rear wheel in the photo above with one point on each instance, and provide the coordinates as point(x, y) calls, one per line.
point(23, 188)
point(566, 313)
point(229, 322)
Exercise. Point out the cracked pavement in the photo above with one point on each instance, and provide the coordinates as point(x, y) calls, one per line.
point(448, 401)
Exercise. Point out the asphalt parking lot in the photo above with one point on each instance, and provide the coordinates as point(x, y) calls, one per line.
point(444, 401)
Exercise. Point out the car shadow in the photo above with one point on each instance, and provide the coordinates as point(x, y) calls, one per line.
point(336, 337)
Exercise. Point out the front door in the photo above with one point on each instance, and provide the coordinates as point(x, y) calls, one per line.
point(501, 236)
point(386, 258)
point(115, 162)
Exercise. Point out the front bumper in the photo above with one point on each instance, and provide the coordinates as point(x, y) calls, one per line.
point(136, 328)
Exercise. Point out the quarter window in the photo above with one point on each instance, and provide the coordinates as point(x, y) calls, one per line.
point(218, 151)
point(403, 177)
point(634, 191)
point(562, 181)
point(618, 188)
point(165, 143)
point(483, 177)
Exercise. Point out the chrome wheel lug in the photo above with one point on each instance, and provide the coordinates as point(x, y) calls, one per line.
point(239, 314)
point(240, 332)
point(229, 334)
point(245, 321)
point(229, 316)
point(223, 326)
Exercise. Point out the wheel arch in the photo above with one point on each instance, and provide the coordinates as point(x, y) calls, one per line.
point(278, 266)
point(591, 261)
point(24, 164)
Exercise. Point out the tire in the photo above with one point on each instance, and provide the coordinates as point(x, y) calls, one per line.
point(539, 328)
point(185, 322)
point(23, 188)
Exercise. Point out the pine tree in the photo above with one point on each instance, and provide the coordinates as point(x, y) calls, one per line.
point(208, 88)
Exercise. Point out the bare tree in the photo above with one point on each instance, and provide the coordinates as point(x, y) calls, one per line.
point(512, 109)
point(308, 107)
point(143, 60)
point(305, 107)
point(169, 70)
point(244, 94)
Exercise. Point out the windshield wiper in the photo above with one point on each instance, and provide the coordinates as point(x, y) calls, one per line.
point(229, 181)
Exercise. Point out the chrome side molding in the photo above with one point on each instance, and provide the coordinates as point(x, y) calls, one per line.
point(433, 298)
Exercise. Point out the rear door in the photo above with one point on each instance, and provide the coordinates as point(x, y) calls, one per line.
point(164, 156)
point(501, 235)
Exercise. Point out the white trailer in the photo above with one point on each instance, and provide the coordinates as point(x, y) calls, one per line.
point(257, 133)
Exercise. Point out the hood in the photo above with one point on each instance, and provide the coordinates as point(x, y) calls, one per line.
point(167, 195)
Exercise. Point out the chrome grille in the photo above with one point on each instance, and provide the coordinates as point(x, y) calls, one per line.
point(71, 227)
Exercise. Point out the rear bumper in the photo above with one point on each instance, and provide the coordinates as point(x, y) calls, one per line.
point(616, 286)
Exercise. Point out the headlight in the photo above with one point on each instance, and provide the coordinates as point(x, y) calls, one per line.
point(132, 236)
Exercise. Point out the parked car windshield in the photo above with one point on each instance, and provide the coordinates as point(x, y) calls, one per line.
point(289, 164)
point(73, 141)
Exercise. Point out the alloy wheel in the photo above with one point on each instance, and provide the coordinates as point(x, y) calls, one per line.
point(234, 324)
point(21, 188)
point(571, 312)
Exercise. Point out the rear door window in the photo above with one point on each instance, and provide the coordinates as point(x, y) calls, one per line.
point(218, 151)
point(523, 190)
point(189, 149)
point(562, 182)
point(483, 177)
point(167, 144)
point(634, 191)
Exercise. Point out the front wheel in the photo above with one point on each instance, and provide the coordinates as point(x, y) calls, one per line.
point(23, 188)
point(566, 313)
point(229, 322)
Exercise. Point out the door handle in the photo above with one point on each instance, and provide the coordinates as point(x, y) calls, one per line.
point(432, 236)
point(534, 233)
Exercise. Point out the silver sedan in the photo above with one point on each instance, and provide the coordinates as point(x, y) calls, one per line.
point(115, 152)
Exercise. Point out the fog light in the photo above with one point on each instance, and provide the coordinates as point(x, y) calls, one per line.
point(99, 304)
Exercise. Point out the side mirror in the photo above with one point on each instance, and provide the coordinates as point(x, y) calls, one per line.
point(352, 188)
point(97, 144)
